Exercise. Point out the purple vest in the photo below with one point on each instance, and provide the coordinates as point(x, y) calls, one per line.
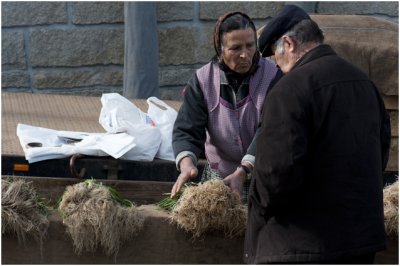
point(230, 131)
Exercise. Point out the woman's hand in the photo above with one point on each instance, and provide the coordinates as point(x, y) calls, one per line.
point(188, 171)
point(236, 180)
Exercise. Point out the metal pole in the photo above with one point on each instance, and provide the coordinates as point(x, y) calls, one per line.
point(141, 50)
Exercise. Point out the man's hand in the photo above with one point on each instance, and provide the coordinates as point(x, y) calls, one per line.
point(235, 180)
point(188, 171)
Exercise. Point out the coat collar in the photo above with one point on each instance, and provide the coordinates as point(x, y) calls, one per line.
point(319, 51)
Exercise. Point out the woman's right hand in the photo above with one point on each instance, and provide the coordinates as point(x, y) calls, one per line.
point(188, 171)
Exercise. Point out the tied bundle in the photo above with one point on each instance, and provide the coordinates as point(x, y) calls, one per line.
point(23, 213)
point(391, 209)
point(210, 207)
point(96, 215)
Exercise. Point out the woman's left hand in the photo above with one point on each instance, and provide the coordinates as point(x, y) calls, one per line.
point(235, 180)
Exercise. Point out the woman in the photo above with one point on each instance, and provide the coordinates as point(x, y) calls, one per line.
point(222, 107)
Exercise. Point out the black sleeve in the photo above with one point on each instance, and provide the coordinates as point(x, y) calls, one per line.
point(282, 145)
point(252, 147)
point(279, 74)
point(189, 132)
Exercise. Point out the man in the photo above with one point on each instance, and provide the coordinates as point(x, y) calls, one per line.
point(316, 193)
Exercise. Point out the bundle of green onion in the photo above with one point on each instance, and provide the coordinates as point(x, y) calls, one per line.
point(169, 203)
point(114, 193)
point(96, 215)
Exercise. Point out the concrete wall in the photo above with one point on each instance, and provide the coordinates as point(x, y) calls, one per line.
point(78, 47)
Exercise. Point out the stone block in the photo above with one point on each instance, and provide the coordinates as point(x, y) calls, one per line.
point(308, 6)
point(97, 12)
point(185, 45)
point(18, 13)
point(77, 47)
point(171, 93)
point(173, 11)
point(262, 10)
point(359, 8)
point(175, 76)
point(12, 50)
point(15, 79)
point(255, 10)
point(77, 78)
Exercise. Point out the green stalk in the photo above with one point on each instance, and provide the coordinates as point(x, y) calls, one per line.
point(169, 203)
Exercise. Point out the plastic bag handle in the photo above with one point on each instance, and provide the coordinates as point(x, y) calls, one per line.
point(158, 103)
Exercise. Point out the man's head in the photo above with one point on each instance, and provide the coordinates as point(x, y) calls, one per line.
point(235, 42)
point(289, 36)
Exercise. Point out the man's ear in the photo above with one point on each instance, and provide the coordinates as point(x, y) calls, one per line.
point(289, 43)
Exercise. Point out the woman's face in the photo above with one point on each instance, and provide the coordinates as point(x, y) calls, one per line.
point(238, 49)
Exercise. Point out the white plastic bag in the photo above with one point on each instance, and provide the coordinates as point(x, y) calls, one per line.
point(41, 143)
point(118, 114)
point(163, 117)
point(147, 139)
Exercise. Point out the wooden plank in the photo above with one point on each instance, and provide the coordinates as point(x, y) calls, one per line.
point(140, 192)
point(392, 105)
point(391, 102)
point(393, 163)
point(160, 242)
point(394, 122)
point(390, 255)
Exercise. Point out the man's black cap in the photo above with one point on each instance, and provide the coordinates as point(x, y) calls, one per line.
point(289, 16)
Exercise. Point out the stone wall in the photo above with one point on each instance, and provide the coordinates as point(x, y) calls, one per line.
point(78, 47)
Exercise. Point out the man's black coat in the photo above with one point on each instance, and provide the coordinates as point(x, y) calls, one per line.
point(317, 184)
